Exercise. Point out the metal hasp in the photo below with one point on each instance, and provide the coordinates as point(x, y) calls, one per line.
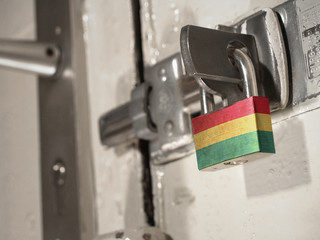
point(205, 55)
point(300, 21)
point(204, 52)
point(34, 57)
point(66, 171)
point(265, 27)
point(168, 112)
point(159, 111)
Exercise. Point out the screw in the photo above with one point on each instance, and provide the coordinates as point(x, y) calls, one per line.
point(168, 127)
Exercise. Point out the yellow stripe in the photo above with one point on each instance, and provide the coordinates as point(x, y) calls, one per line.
point(250, 123)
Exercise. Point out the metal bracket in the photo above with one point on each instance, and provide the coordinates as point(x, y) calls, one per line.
point(265, 27)
point(204, 52)
point(159, 112)
point(174, 139)
point(206, 58)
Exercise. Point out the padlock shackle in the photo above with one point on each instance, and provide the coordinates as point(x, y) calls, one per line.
point(246, 68)
point(207, 101)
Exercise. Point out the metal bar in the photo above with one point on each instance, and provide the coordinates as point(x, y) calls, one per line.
point(33, 57)
point(116, 126)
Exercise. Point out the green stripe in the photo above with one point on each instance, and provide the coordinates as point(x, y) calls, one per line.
point(258, 141)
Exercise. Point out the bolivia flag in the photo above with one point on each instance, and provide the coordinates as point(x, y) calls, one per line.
point(240, 129)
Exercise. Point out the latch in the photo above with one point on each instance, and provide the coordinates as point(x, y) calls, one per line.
point(160, 109)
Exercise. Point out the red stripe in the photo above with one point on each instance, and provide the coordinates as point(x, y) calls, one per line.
point(240, 109)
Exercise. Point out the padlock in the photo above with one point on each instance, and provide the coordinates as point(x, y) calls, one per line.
point(237, 133)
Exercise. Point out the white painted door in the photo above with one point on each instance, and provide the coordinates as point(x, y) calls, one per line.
point(272, 198)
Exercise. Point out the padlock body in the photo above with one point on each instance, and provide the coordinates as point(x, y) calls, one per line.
point(234, 134)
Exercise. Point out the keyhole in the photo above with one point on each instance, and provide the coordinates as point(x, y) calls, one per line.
point(49, 52)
